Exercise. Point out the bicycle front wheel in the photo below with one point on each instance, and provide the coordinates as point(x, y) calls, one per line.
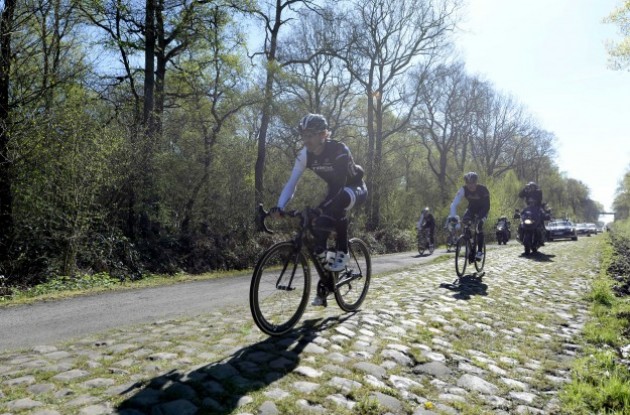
point(279, 289)
point(461, 256)
point(479, 264)
point(352, 284)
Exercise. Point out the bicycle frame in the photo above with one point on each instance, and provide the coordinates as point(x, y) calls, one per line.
point(302, 244)
point(284, 267)
point(469, 241)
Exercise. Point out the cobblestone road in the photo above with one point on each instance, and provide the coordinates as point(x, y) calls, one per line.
point(422, 344)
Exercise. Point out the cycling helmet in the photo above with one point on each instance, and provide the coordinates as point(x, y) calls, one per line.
point(532, 185)
point(426, 209)
point(313, 123)
point(470, 177)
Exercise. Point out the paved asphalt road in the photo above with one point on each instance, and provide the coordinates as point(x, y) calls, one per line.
point(54, 321)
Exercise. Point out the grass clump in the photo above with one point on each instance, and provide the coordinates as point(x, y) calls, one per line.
point(601, 380)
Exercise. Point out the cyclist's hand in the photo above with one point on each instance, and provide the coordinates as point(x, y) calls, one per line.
point(275, 212)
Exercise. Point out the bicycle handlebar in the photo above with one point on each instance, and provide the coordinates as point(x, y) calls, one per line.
point(262, 214)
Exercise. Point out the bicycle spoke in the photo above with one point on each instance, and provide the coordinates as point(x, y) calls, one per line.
point(280, 289)
point(353, 284)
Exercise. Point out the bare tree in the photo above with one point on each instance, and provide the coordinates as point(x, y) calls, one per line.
point(505, 136)
point(386, 41)
point(319, 84)
point(444, 118)
point(274, 14)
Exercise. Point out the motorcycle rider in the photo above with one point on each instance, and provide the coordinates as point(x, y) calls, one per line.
point(533, 192)
point(478, 198)
point(427, 221)
point(506, 223)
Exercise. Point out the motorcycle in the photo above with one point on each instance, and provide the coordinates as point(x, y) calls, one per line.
point(503, 232)
point(530, 232)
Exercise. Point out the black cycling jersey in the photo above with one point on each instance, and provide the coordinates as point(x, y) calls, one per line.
point(334, 165)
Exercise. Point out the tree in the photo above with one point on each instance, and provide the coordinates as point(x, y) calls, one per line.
point(444, 120)
point(619, 52)
point(386, 41)
point(621, 204)
point(6, 196)
point(273, 14)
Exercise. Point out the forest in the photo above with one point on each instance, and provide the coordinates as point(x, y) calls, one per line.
point(139, 136)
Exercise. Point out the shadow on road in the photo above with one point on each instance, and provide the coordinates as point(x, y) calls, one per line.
point(218, 387)
point(466, 286)
point(538, 257)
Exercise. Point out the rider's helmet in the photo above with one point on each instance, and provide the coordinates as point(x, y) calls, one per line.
point(426, 209)
point(531, 186)
point(313, 123)
point(471, 177)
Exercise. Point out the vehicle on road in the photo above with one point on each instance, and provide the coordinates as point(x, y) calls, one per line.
point(281, 283)
point(581, 229)
point(531, 229)
point(561, 229)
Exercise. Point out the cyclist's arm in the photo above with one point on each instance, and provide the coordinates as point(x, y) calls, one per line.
point(458, 198)
point(289, 188)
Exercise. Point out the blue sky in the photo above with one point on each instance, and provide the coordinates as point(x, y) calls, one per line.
point(551, 56)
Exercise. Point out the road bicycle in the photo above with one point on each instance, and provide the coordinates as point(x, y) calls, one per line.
point(466, 248)
point(424, 241)
point(281, 282)
point(451, 234)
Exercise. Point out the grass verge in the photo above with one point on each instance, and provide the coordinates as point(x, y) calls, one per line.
point(601, 378)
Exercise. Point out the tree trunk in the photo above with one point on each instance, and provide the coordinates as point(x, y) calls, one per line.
point(6, 195)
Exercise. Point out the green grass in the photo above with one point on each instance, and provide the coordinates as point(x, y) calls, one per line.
point(600, 381)
point(67, 287)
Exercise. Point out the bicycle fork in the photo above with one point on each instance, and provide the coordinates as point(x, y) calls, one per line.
point(288, 287)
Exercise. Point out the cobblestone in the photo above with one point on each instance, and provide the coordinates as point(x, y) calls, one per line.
point(423, 343)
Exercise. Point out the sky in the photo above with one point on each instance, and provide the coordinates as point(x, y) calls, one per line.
point(551, 56)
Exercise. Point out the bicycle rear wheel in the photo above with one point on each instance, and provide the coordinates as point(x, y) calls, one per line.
point(353, 283)
point(461, 256)
point(479, 264)
point(279, 289)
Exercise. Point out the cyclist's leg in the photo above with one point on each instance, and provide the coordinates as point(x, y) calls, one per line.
point(338, 209)
point(432, 234)
point(480, 234)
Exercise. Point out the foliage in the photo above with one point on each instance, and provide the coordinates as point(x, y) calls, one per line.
point(100, 184)
point(621, 204)
point(620, 51)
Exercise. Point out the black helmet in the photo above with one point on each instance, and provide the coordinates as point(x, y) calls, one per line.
point(471, 177)
point(313, 122)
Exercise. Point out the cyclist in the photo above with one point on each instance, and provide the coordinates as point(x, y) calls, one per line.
point(427, 221)
point(478, 198)
point(332, 161)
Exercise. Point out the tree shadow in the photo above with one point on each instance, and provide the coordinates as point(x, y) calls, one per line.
point(538, 257)
point(466, 286)
point(218, 387)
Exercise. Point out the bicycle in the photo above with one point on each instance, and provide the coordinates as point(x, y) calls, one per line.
point(466, 248)
point(281, 281)
point(424, 242)
point(451, 234)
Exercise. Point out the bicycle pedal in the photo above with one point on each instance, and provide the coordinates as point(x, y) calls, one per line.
point(285, 288)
